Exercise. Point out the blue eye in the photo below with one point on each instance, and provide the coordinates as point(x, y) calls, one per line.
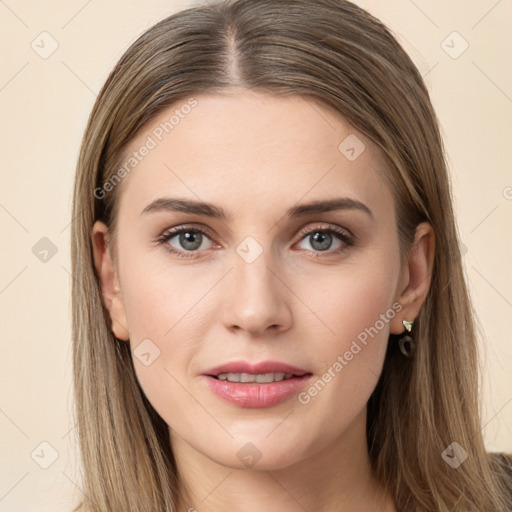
point(321, 239)
point(189, 241)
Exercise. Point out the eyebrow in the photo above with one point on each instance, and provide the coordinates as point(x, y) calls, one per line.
point(210, 210)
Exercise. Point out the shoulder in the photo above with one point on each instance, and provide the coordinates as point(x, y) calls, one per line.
point(502, 460)
point(501, 464)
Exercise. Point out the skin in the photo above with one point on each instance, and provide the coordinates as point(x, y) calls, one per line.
point(255, 156)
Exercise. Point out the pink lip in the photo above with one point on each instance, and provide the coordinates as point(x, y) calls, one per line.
point(256, 369)
point(256, 395)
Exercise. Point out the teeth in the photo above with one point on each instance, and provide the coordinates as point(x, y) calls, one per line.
point(248, 377)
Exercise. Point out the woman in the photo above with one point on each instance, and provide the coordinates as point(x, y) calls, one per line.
point(269, 305)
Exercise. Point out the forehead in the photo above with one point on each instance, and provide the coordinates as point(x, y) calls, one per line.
point(252, 149)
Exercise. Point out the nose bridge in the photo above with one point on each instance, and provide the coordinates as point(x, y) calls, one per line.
point(253, 266)
point(257, 299)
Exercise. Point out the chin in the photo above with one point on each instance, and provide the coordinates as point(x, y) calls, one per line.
point(258, 455)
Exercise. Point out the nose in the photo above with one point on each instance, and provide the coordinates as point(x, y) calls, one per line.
point(256, 297)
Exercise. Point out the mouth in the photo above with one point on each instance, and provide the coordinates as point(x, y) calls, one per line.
point(266, 371)
point(256, 385)
point(261, 378)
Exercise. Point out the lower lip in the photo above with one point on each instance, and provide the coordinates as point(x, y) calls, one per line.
point(257, 395)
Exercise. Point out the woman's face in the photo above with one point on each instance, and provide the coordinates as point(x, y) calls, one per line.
point(256, 276)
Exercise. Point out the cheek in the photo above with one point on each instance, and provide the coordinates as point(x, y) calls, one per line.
point(157, 295)
point(357, 307)
point(350, 301)
point(165, 316)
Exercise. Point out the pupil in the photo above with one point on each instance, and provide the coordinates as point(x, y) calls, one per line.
point(187, 240)
point(324, 240)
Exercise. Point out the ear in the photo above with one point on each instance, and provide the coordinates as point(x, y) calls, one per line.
point(111, 289)
point(415, 277)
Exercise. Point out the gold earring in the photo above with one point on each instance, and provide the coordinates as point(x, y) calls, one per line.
point(407, 325)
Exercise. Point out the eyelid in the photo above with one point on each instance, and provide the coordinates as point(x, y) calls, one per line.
point(191, 226)
point(324, 226)
point(320, 226)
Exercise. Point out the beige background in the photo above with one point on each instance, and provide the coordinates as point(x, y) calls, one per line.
point(45, 104)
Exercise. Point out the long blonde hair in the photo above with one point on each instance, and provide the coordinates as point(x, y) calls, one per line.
point(337, 54)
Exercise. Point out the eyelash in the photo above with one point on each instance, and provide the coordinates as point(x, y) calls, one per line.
point(341, 234)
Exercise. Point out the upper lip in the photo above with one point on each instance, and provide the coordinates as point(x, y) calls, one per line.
point(256, 369)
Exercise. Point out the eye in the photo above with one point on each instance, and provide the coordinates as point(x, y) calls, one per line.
point(321, 238)
point(187, 240)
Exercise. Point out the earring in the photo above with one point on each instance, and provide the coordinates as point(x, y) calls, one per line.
point(407, 325)
point(406, 343)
